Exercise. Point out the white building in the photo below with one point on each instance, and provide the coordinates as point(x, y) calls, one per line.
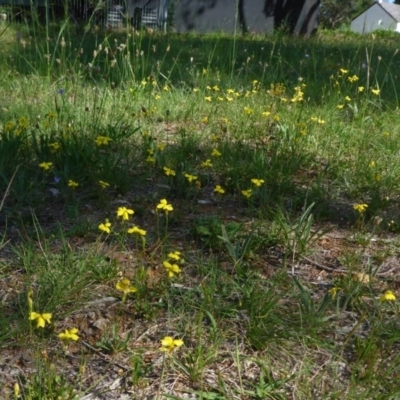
point(379, 15)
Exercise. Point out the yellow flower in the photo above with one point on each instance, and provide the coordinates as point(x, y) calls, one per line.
point(102, 140)
point(9, 126)
point(124, 285)
point(298, 96)
point(169, 171)
point(229, 98)
point(372, 164)
point(157, 97)
point(105, 226)
point(387, 296)
point(257, 182)
point(343, 71)
point(360, 89)
point(166, 88)
point(54, 146)
point(190, 178)
point(175, 255)
point(172, 269)
point(247, 193)
point(104, 184)
point(216, 88)
point(23, 122)
point(375, 91)
point(248, 110)
point(230, 91)
point(42, 319)
point(151, 160)
point(46, 165)
point(360, 207)
point(347, 98)
point(69, 334)
point(333, 291)
point(207, 98)
point(340, 106)
point(124, 213)
point(218, 189)
point(265, 113)
point(206, 164)
point(72, 184)
point(161, 146)
point(195, 90)
point(204, 120)
point(51, 115)
point(215, 153)
point(169, 344)
point(163, 205)
point(353, 78)
point(17, 390)
point(136, 230)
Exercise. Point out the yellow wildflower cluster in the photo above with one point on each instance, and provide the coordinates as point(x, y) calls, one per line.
point(45, 318)
point(353, 78)
point(298, 94)
point(257, 183)
point(18, 127)
point(171, 264)
point(102, 140)
point(277, 90)
point(219, 189)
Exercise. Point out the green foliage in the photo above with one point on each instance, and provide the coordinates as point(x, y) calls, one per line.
point(299, 237)
point(47, 383)
point(208, 230)
point(259, 145)
point(267, 387)
point(312, 313)
point(238, 251)
point(334, 13)
point(112, 343)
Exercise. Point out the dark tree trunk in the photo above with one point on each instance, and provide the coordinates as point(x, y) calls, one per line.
point(290, 13)
point(241, 17)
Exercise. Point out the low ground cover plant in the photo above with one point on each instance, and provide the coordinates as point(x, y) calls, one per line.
point(205, 216)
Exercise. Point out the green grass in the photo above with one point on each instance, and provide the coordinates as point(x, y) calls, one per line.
point(261, 146)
